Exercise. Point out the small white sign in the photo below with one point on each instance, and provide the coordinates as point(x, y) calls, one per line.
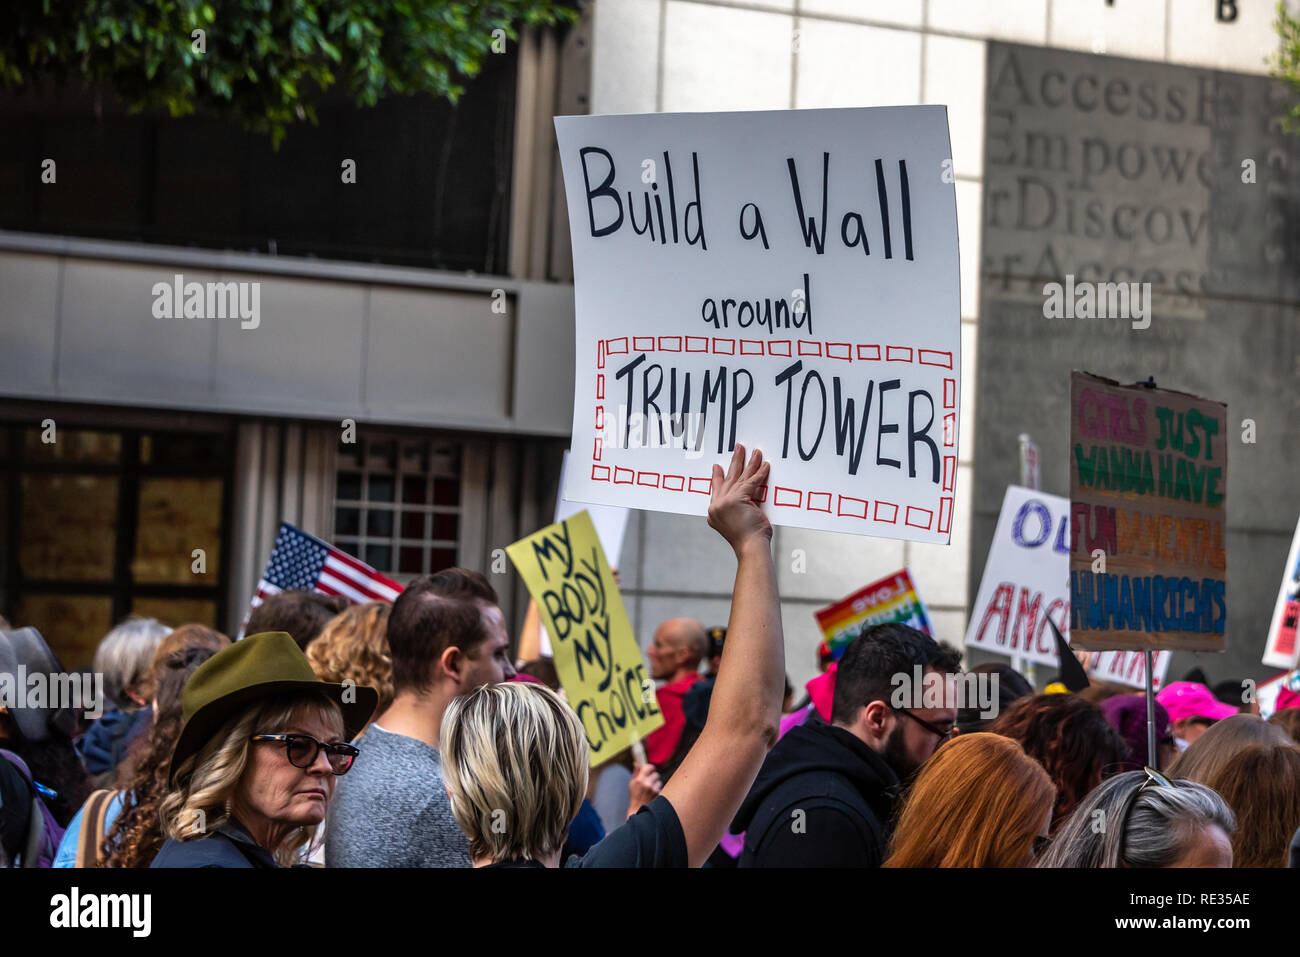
point(1280, 652)
point(1128, 667)
point(1026, 579)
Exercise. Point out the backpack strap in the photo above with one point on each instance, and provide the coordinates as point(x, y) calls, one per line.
point(91, 838)
point(31, 850)
point(35, 836)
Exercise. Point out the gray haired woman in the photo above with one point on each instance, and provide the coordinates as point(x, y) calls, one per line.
point(124, 657)
point(1143, 819)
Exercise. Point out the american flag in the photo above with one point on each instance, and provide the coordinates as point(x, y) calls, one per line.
point(301, 562)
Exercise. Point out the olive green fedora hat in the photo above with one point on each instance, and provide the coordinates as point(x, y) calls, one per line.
point(245, 674)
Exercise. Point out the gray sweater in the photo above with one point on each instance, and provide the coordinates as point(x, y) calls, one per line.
point(391, 810)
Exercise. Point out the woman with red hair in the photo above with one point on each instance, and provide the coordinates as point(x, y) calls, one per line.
point(979, 802)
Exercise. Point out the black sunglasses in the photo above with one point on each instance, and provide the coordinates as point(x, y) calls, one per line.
point(943, 733)
point(301, 749)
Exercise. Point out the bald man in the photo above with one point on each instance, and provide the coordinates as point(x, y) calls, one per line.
point(679, 645)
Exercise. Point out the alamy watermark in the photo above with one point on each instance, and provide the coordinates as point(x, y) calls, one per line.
point(655, 430)
point(1098, 300)
point(73, 691)
point(972, 690)
point(208, 300)
point(74, 909)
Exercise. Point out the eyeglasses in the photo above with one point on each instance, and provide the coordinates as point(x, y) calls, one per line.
point(302, 749)
point(943, 733)
point(1153, 779)
point(1041, 843)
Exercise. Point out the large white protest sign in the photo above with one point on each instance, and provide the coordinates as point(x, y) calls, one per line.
point(1026, 579)
point(786, 280)
point(1027, 582)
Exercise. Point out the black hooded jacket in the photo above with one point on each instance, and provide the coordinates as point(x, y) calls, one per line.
point(845, 791)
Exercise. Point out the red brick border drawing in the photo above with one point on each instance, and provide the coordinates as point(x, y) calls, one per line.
point(855, 513)
point(783, 348)
point(929, 517)
point(777, 497)
point(846, 506)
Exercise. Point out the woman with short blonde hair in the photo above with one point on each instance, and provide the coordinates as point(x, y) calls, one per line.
point(515, 757)
point(509, 804)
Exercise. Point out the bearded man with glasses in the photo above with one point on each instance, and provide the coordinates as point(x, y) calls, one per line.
point(826, 794)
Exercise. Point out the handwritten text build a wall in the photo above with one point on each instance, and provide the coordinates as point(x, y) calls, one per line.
point(676, 214)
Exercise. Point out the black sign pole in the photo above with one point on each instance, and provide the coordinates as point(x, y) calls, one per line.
point(1151, 693)
point(1151, 716)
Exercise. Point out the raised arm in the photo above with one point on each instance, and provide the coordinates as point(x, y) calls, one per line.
point(745, 710)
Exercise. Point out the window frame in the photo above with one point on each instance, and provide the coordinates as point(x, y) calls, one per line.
point(357, 544)
point(130, 472)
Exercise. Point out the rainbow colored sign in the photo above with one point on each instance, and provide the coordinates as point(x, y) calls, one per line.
point(892, 599)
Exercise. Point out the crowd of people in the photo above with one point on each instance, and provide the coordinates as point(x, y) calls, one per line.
point(373, 735)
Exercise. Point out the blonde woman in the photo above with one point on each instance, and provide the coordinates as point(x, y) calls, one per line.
point(516, 810)
point(253, 770)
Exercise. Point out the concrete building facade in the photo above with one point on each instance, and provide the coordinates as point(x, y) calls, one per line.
point(460, 382)
point(689, 55)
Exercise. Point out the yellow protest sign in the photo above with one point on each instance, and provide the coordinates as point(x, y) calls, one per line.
point(596, 653)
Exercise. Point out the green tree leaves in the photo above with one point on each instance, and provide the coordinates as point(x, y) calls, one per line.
point(1286, 64)
point(264, 63)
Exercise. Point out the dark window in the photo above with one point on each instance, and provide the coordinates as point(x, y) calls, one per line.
point(102, 523)
point(432, 180)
